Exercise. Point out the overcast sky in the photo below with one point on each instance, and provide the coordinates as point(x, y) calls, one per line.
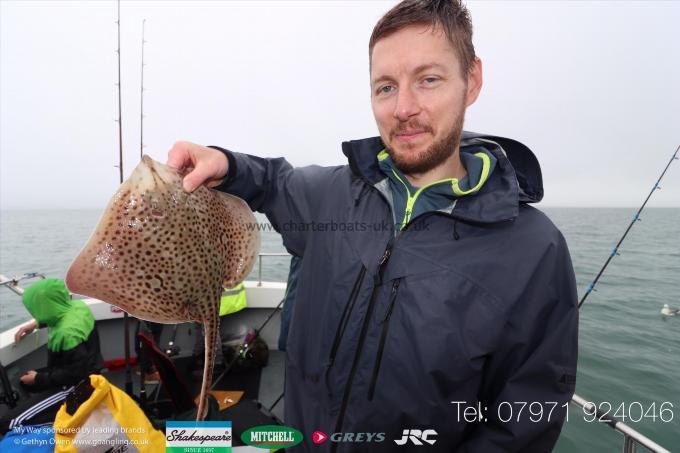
point(593, 88)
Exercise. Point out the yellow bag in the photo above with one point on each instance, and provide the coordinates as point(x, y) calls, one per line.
point(108, 419)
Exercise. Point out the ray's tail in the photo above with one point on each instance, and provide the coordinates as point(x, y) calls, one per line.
point(212, 328)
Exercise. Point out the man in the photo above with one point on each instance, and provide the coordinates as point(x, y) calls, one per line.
point(434, 304)
point(73, 351)
point(289, 300)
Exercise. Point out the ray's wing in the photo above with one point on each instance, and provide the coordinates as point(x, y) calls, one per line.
point(240, 239)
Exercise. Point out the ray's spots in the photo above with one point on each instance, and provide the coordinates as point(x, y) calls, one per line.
point(165, 260)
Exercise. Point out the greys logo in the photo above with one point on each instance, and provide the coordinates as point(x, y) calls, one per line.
point(320, 437)
point(417, 437)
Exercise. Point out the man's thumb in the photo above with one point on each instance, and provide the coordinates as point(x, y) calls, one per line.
point(195, 178)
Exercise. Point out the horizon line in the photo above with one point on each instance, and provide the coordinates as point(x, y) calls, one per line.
point(90, 208)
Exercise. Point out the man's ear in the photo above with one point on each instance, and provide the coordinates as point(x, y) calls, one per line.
point(474, 82)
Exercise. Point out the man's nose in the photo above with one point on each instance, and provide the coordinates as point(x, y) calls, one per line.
point(407, 104)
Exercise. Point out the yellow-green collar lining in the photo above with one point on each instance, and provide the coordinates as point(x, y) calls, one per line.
point(455, 183)
point(458, 187)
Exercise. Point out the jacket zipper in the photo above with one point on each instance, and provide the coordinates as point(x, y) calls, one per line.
point(347, 312)
point(383, 337)
point(362, 337)
point(411, 199)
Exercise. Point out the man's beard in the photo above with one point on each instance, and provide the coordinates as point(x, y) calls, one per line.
point(435, 155)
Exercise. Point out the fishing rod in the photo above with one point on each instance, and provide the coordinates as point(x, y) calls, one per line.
point(141, 97)
point(142, 388)
point(636, 218)
point(119, 120)
point(126, 321)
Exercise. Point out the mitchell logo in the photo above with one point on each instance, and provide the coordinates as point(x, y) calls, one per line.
point(417, 437)
point(271, 437)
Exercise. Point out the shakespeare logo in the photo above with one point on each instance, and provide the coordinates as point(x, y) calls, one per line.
point(198, 437)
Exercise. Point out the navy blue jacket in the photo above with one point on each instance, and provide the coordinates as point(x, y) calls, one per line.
point(474, 304)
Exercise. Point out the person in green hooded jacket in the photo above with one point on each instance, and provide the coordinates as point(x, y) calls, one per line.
point(73, 350)
point(73, 353)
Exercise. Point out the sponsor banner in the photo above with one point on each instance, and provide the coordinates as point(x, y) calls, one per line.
point(198, 437)
point(271, 437)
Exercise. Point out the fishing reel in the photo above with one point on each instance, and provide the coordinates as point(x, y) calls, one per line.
point(172, 349)
point(251, 352)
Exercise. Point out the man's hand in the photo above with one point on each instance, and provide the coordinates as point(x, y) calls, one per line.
point(28, 378)
point(203, 165)
point(25, 330)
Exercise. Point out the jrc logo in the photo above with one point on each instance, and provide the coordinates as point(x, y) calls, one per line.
point(417, 437)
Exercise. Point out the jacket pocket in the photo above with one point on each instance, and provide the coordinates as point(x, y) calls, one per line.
point(383, 337)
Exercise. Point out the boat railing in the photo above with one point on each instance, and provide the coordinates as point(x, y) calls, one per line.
point(631, 438)
point(259, 263)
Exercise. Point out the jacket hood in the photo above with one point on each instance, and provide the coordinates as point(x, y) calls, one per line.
point(516, 179)
point(47, 301)
point(69, 322)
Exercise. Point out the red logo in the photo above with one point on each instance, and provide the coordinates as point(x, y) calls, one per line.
point(318, 437)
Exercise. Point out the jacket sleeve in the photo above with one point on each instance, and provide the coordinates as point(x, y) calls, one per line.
point(289, 197)
point(68, 370)
point(530, 380)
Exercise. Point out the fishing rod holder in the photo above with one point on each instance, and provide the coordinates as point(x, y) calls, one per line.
point(13, 283)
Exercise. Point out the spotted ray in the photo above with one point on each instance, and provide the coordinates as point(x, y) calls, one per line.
point(163, 255)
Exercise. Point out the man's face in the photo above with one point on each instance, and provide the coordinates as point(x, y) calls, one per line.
point(419, 96)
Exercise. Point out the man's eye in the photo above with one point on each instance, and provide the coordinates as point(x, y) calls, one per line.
point(385, 89)
point(430, 80)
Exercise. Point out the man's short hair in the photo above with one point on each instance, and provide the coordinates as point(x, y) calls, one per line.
point(451, 15)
